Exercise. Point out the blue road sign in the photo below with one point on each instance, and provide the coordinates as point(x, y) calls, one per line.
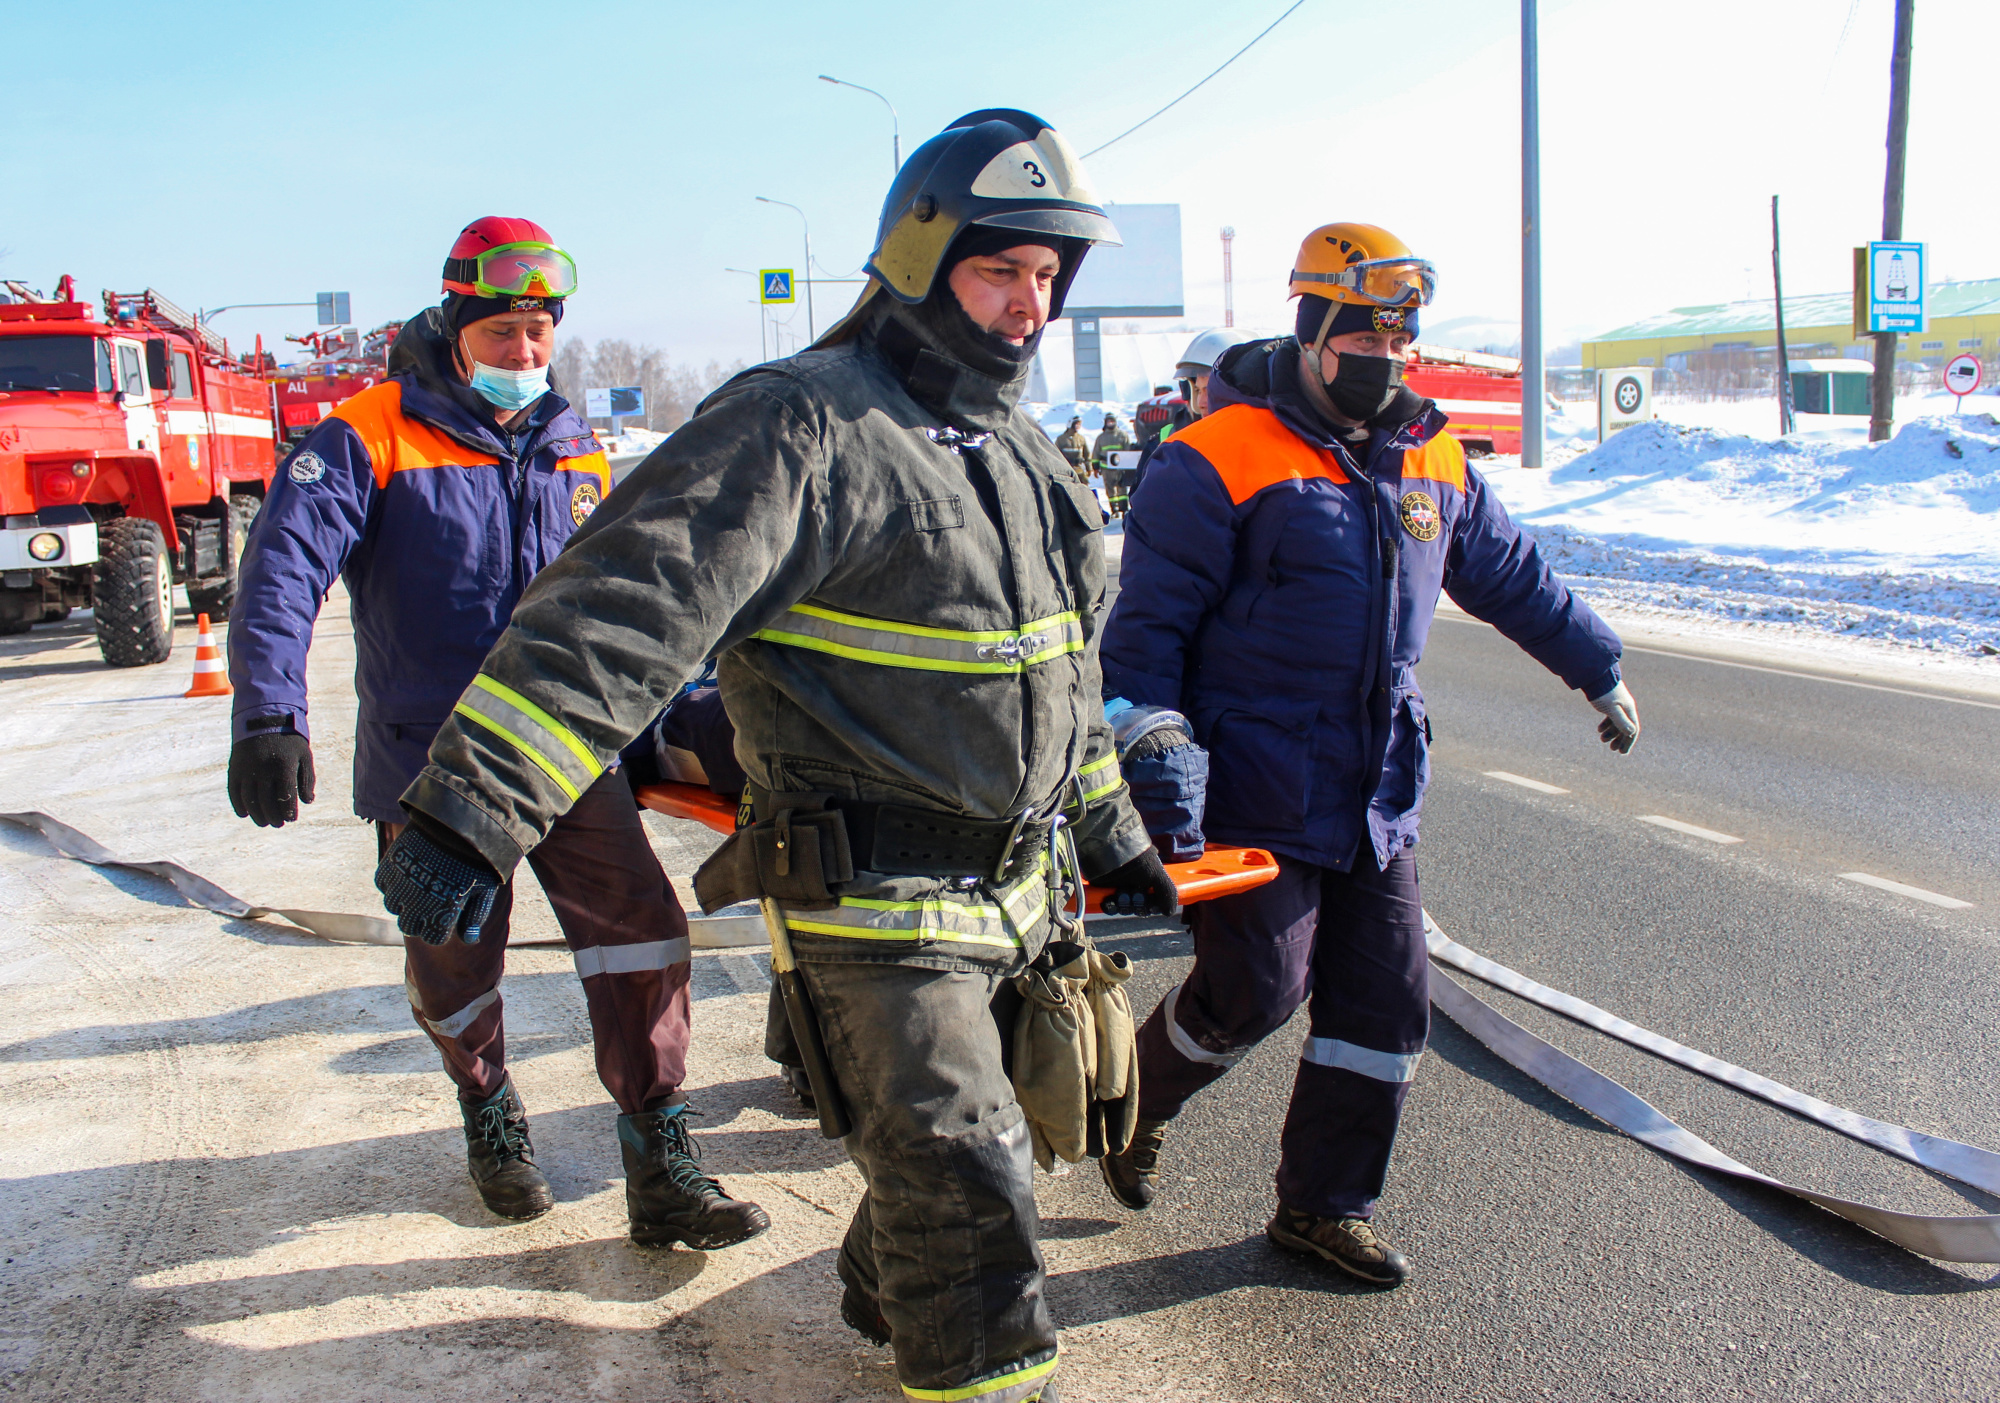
point(777, 285)
point(1896, 287)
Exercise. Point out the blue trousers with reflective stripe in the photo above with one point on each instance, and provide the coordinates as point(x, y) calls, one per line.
point(1353, 944)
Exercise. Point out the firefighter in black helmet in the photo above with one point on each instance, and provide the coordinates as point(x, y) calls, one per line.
point(900, 579)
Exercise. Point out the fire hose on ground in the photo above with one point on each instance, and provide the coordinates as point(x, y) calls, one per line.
point(1971, 1238)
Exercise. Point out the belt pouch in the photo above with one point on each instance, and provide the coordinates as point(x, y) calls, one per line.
point(795, 856)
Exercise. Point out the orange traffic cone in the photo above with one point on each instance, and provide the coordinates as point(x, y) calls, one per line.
point(211, 674)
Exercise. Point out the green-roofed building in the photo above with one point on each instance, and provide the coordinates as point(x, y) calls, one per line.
point(1964, 317)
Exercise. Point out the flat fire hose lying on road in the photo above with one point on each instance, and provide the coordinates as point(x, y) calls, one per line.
point(328, 925)
point(1973, 1238)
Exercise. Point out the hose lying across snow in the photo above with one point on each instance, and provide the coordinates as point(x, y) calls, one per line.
point(1969, 1238)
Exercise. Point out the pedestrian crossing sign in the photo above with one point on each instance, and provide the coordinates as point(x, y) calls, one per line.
point(777, 285)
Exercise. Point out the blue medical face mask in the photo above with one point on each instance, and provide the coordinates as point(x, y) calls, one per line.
point(511, 390)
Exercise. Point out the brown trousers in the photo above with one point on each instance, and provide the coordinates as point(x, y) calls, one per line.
point(626, 932)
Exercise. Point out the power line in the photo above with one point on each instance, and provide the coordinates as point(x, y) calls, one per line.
point(1190, 92)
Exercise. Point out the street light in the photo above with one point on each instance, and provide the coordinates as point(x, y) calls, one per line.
point(763, 312)
point(895, 123)
point(812, 333)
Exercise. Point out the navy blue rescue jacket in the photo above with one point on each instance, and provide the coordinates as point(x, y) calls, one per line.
point(436, 519)
point(1278, 586)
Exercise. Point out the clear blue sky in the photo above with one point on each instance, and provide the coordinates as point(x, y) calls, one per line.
point(228, 152)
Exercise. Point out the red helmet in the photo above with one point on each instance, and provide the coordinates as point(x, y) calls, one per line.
point(500, 256)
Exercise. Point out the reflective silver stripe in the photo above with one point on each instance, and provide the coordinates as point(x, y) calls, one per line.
point(1096, 767)
point(458, 1022)
point(630, 959)
point(553, 747)
point(1003, 924)
point(1187, 1046)
point(1382, 1066)
point(891, 644)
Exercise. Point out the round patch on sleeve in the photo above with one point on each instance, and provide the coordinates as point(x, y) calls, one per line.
point(306, 467)
point(583, 502)
point(1420, 516)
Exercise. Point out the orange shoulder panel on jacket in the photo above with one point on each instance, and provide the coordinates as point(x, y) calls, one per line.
point(594, 463)
point(396, 442)
point(1251, 449)
point(1440, 460)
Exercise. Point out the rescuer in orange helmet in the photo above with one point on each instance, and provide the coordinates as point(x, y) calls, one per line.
point(437, 496)
point(1280, 570)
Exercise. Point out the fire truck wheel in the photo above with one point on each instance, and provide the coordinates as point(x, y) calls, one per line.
point(214, 599)
point(134, 593)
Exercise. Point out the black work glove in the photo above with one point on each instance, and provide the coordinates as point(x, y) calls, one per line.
point(435, 883)
point(270, 773)
point(1141, 887)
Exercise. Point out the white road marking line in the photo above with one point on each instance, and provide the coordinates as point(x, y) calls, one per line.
point(1461, 617)
point(1526, 783)
point(1916, 893)
point(1691, 829)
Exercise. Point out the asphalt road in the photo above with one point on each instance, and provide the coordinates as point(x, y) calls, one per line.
point(1553, 1257)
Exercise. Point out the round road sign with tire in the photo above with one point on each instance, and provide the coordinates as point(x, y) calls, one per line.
point(1627, 395)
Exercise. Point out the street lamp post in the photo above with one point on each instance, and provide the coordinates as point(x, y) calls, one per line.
point(895, 122)
point(812, 332)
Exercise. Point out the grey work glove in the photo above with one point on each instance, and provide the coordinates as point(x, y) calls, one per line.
point(270, 773)
point(435, 883)
point(1620, 726)
point(1141, 887)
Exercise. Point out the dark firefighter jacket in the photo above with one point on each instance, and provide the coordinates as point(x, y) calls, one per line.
point(436, 519)
point(900, 614)
point(1278, 589)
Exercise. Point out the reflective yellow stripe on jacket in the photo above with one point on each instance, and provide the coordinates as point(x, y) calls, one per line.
point(553, 748)
point(1004, 923)
point(1096, 768)
point(892, 644)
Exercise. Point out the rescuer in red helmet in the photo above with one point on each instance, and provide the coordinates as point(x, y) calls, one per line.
point(436, 497)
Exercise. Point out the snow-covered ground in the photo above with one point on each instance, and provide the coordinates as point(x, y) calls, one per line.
point(1820, 535)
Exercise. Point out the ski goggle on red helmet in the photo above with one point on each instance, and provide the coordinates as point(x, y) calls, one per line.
point(502, 257)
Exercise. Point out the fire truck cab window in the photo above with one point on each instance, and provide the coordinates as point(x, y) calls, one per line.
point(46, 362)
point(130, 379)
point(183, 375)
point(104, 380)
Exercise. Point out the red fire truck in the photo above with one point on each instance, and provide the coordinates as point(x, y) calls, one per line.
point(1481, 394)
point(343, 363)
point(134, 452)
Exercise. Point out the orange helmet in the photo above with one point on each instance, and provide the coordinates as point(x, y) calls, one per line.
point(499, 256)
point(1362, 264)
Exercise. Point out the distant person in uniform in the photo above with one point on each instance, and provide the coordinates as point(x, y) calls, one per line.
point(1110, 439)
point(1073, 445)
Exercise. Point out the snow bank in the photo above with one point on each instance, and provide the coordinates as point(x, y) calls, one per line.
point(1054, 418)
point(1894, 541)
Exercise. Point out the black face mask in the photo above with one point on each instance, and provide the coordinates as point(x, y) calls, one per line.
point(1363, 387)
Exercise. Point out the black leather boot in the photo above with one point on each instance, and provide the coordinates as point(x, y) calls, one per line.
point(668, 1198)
point(500, 1159)
point(1134, 1176)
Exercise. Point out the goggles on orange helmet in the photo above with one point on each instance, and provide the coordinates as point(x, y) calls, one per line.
point(513, 270)
point(1387, 282)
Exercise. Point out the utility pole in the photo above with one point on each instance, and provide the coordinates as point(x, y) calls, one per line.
point(1534, 376)
point(1884, 407)
point(805, 273)
point(895, 122)
point(1785, 423)
point(1228, 275)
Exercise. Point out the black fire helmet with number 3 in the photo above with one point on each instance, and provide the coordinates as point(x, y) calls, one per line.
point(998, 167)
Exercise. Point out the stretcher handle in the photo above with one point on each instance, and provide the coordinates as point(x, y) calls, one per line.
point(1222, 870)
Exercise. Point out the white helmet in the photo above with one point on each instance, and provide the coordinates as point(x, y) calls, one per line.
point(1206, 349)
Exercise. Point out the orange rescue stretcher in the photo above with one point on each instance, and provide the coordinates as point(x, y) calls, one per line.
point(1219, 871)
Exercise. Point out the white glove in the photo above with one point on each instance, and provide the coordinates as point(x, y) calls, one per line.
point(1620, 726)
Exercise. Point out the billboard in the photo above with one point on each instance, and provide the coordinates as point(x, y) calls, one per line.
point(1141, 279)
